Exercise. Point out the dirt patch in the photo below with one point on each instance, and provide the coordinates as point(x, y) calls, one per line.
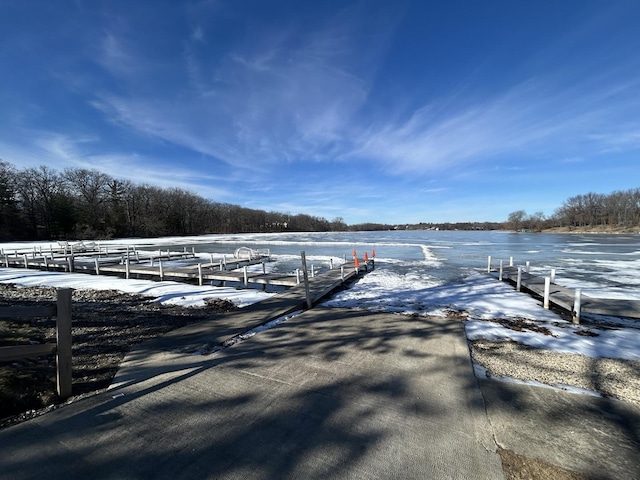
point(522, 325)
point(105, 326)
point(519, 467)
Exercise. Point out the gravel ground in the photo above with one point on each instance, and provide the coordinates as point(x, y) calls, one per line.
point(610, 377)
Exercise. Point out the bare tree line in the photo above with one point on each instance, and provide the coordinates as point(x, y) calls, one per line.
point(41, 203)
point(618, 209)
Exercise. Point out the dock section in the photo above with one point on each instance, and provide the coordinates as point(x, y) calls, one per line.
point(185, 266)
point(569, 299)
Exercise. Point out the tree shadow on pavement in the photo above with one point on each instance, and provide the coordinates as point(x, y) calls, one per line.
point(331, 393)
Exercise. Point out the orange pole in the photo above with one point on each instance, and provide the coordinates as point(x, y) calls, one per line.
point(373, 253)
point(355, 261)
point(366, 257)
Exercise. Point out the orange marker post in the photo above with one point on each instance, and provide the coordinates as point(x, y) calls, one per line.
point(366, 257)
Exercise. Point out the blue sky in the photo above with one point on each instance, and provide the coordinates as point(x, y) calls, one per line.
point(373, 111)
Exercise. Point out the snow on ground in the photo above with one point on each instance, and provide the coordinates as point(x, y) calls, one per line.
point(166, 292)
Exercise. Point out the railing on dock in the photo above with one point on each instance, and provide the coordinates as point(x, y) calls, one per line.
point(571, 300)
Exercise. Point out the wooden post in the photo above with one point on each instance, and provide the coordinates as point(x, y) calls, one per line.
point(264, 268)
point(501, 271)
point(577, 306)
point(200, 274)
point(519, 281)
point(489, 264)
point(97, 267)
point(553, 275)
point(331, 264)
point(511, 261)
point(527, 266)
point(63, 350)
point(342, 273)
point(160, 270)
point(313, 273)
point(297, 276)
point(221, 266)
point(547, 290)
point(306, 279)
point(6, 260)
point(245, 276)
point(70, 263)
point(46, 267)
point(126, 268)
point(26, 265)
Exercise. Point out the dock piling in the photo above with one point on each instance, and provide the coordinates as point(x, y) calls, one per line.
point(547, 290)
point(577, 306)
point(306, 279)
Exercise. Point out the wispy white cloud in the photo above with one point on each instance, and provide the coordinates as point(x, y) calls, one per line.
point(525, 120)
point(285, 96)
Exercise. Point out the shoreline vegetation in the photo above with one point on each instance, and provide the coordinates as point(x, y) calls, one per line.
point(43, 204)
point(604, 229)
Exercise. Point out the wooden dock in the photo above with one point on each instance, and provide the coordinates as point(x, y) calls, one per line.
point(571, 300)
point(160, 265)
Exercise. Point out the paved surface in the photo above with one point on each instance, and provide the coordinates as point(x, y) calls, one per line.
point(328, 394)
point(595, 436)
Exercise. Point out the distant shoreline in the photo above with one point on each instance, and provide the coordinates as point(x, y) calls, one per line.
point(595, 230)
